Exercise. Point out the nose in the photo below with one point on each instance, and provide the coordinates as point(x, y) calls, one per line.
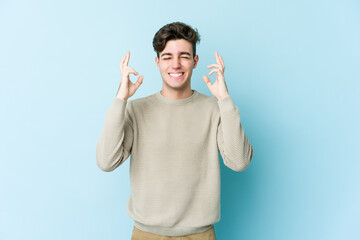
point(176, 63)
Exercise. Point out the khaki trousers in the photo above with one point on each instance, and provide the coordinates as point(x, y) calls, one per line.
point(141, 235)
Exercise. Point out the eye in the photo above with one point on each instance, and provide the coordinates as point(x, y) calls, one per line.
point(165, 58)
point(186, 57)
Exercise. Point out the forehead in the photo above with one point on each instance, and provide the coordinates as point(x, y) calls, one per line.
point(177, 46)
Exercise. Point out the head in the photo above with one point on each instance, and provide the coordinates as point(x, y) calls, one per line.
point(175, 47)
point(175, 31)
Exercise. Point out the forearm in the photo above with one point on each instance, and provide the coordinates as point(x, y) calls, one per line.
point(235, 147)
point(114, 143)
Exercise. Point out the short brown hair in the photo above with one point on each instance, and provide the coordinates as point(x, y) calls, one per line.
point(175, 31)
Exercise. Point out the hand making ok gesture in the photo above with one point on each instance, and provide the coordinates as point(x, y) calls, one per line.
point(127, 88)
point(218, 88)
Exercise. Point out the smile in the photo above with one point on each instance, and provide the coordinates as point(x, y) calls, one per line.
point(176, 74)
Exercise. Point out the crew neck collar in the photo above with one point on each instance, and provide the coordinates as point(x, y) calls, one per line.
point(163, 99)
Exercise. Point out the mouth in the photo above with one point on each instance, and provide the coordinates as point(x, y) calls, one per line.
point(177, 74)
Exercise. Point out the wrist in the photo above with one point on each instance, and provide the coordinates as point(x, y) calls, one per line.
point(121, 98)
point(223, 96)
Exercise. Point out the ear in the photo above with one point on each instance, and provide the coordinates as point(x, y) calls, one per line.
point(157, 62)
point(196, 60)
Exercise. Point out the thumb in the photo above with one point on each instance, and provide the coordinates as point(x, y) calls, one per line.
point(207, 81)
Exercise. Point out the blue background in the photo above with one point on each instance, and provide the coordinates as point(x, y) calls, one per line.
point(292, 68)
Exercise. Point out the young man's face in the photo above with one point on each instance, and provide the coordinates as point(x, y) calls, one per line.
point(176, 63)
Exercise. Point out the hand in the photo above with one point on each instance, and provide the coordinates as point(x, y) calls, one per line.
point(218, 89)
point(127, 88)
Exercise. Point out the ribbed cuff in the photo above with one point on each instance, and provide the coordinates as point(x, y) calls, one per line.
point(119, 105)
point(226, 105)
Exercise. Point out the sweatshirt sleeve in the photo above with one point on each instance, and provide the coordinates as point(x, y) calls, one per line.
point(115, 143)
point(232, 141)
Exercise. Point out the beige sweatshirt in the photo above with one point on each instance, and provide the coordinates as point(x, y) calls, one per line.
point(174, 165)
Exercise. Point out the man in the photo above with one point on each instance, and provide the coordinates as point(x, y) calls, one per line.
point(174, 137)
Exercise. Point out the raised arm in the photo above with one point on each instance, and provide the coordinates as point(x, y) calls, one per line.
point(115, 143)
point(233, 143)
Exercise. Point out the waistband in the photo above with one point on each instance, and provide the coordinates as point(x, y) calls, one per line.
point(171, 231)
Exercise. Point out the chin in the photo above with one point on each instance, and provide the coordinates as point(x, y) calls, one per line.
point(173, 85)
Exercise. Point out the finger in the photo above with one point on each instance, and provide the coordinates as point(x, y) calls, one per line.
point(215, 66)
point(217, 57)
point(222, 62)
point(207, 81)
point(214, 70)
point(131, 70)
point(123, 59)
point(138, 82)
point(127, 58)
point(122, 62)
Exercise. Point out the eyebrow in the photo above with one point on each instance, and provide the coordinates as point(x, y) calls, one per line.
point(181, 53)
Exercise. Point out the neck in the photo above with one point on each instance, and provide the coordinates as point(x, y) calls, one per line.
point(176, 94)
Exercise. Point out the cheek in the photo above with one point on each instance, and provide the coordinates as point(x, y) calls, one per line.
point(164, 66)
point(190, 65)
point(161, 67)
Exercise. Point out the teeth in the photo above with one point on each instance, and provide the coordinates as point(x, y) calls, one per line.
point(176, 74)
